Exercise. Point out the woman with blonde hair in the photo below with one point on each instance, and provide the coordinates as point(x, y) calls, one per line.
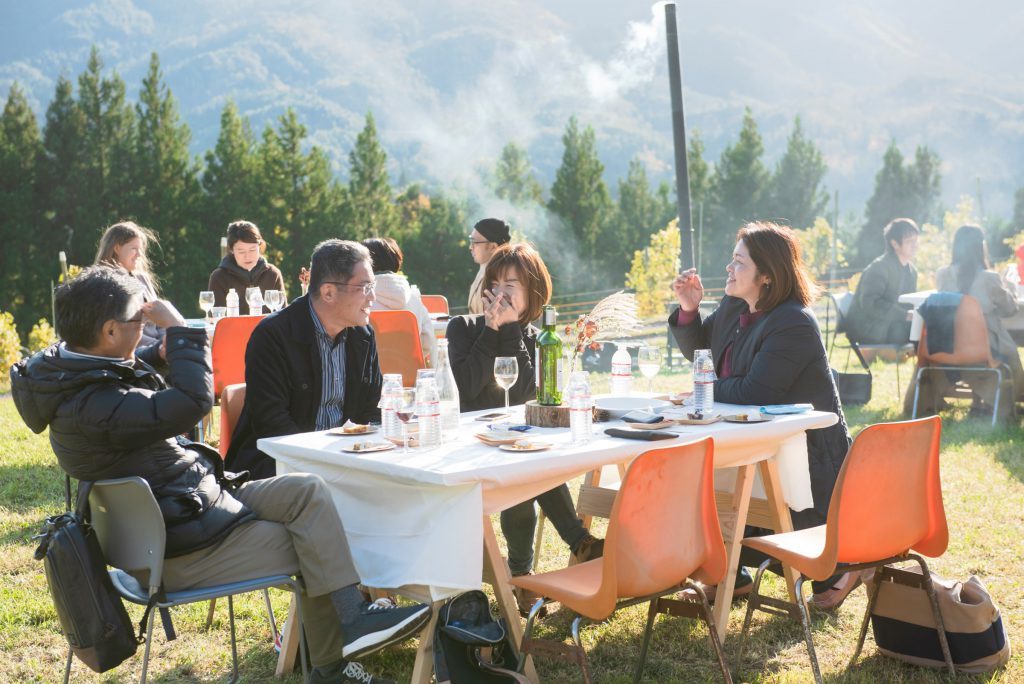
point(123, 246)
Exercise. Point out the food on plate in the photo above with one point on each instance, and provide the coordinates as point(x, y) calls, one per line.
point(523, 444)
point(696, 415)
point(354, 428)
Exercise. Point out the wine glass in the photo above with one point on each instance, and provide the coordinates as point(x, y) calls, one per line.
point(254, 296)
point(506, 372)
point(405, 409)
point(649, 361)
point(274, 299)
point(206, 303)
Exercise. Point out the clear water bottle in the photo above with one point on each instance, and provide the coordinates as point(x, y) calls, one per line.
point(390, 394)
point(232, 302)
point(703, 381)
point(447, 392)
point(428, 412)
point(622, 371)
point(581, 408)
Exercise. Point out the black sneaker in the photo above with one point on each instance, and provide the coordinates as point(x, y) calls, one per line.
point(343, 672)
point(380, 624)
point(588, 549)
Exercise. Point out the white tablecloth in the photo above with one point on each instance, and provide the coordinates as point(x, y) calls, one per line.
point(916, 299)
point(415, 520)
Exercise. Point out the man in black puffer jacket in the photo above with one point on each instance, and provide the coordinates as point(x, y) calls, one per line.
point(111, 415)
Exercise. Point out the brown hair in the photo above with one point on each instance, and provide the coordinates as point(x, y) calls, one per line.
point(531, 269)
point(776, 254)
point(122, 233)
point(245, 231)
point(386, 254)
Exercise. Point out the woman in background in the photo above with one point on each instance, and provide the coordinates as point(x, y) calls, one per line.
point(394, 291)
point(244, 265)
point(123, 246)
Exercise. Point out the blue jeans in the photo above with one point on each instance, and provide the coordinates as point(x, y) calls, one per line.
point(519, 524)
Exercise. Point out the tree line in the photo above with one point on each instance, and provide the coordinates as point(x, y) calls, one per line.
point(99, 158)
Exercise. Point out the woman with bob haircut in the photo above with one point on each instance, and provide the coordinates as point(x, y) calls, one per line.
point(123, 247)
point(394, 291)
point(516, 286)
point(244, 265)
point(767, 349)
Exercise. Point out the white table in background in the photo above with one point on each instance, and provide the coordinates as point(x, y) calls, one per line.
point(417, 522)
point(1014, 324)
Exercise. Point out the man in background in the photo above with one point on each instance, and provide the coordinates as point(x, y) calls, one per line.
point(876, 316)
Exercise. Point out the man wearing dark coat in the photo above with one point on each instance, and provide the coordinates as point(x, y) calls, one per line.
point(876, 316)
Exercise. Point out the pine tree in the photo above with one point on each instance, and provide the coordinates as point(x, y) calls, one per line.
point(20, 256)
point(433, 261)
point(925, 184)
point(699, 172)
point(61, 167)
point(639, 214)
point(796, 195)
point(371, 210)
point(513, 177)
point(229, 179)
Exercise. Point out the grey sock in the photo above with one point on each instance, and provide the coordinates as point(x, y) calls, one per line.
point(347, 602)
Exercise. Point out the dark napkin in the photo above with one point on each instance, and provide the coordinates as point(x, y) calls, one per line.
point(645, 435)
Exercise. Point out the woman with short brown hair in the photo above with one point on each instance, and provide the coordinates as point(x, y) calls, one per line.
point(516, 285)
point(244, 265)
point(767, 349)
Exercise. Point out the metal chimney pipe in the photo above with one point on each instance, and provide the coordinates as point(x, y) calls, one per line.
point(679, 140)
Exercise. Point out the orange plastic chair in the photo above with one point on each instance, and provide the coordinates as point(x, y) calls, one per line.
point(232, 399)
point(436, 304)
point(971, 352)
point(230, 338)
point(663, 529)
point(886, 503)
point(398, 343)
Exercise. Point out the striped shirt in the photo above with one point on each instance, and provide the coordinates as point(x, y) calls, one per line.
point(332, 361)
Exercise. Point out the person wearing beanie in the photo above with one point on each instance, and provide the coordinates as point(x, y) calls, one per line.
point(488, 234)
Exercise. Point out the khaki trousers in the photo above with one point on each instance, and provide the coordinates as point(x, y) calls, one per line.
point(298, 532)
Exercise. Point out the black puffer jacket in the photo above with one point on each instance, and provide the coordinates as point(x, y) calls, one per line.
point(111, 420)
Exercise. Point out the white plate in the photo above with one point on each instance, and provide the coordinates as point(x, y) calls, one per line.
point(534, 446)
point(498, 436)
point(340, 432)
point(368, 447)
point(619, 406)
point(748, 419)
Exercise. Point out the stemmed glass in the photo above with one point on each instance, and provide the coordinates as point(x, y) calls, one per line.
point(254, 296)
point(405, 409)
point(206, 303)
point(274, 299)
point(649, 361)
point(506, 372)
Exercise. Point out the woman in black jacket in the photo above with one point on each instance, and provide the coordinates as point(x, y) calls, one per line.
point(244, 266)
point(516, 286)
point(767, 349)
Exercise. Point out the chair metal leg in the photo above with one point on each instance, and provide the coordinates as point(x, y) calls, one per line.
point(67, 667)
point(876, 582)
point(209, 614)
point(940, 626)
point(999, 389)
point(753, 601)
point(270, 615)
point(234, 645)
point(917, 391)
point(652, 612)
point(528, 632)
point(583, 654)
point(805, 621)
point(716, 642)
point(145, 655)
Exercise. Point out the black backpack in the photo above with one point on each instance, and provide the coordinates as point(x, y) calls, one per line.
point(91, 613)
point(465, 627)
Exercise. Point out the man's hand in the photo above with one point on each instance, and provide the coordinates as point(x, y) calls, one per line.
point(162, 313)
point(688, 289)
point(497, 310)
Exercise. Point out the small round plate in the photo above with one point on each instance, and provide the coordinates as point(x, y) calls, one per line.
point(414, 441)
point(652, 426)
point(495, 437)
point(746, 418)
point(679, 398)
point(367, 447)
point(619, 406)
point(353, 431)
point(534, 446)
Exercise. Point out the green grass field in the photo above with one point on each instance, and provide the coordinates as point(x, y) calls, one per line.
point(983, 487)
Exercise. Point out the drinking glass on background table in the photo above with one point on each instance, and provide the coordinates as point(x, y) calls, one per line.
point(506, 372)
point(274, 299)
point(217, 313)
point(254, 297)
point(405, 409)
point(649, 361)
point(206, 303)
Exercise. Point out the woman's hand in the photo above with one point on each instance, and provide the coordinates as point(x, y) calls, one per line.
point(688, 289)
point(498, 309)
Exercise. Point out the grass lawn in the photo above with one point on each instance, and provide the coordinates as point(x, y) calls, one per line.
point(983, 487)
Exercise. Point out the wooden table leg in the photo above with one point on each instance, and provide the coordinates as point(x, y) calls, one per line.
point(780, 513)
point(423, 668)
point(496, 572)
point(733, 521)
point(289, 643)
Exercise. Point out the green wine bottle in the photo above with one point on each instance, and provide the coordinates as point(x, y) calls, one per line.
point(549, 361)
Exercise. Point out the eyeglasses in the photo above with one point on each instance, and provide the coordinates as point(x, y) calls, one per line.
point(137, 319)
point(367, 288)
point(479, 242)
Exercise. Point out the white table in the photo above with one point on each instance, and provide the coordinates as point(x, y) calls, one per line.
point(1014, 323)
point(417, 522)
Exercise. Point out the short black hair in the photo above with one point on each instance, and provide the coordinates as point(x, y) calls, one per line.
point(386, 254)
point(84, 303)
point(335, 260)
point(898, 230)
